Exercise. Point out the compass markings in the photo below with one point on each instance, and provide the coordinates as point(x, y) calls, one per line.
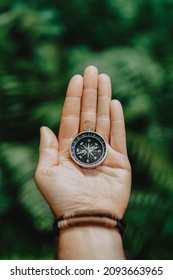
point(88, 150)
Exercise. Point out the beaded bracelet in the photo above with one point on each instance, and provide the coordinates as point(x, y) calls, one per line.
point(89, 217)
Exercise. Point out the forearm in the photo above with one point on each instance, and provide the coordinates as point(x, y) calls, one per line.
point(90, 242)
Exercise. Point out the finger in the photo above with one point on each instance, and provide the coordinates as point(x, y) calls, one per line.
point(69, 125)
point(48, 150)
point(89, 96)
point(103, 107)
point(118, 134)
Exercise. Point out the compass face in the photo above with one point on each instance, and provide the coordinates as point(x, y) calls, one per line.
point(88, 149)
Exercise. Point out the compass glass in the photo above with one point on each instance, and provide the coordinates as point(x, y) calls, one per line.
point(88, 149)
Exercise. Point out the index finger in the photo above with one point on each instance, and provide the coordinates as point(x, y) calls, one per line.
point(70, 116)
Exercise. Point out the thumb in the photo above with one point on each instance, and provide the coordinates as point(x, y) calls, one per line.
point(48, 150)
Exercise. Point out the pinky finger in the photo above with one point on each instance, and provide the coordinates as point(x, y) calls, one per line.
point(118, 133)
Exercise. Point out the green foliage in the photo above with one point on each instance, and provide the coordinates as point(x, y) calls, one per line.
point(42, 44)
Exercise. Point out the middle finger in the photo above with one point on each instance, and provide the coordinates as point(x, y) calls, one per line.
point(89, 97)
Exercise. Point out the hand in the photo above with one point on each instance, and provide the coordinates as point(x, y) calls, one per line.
point(64, 184)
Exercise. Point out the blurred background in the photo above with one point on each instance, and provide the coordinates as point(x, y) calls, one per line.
point(42, 44)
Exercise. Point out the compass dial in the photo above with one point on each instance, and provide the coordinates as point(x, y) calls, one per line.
point(88, 149)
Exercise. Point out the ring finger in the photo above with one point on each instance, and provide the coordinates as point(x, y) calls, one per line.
point(103, 110)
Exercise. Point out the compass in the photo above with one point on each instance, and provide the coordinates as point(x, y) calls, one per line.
point(88, 149)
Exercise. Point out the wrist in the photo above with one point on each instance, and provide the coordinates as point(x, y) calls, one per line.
point(90, 242)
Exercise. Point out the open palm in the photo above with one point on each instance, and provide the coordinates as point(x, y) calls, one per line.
point(64, 184)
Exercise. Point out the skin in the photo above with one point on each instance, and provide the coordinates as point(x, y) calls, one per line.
point(65, 185)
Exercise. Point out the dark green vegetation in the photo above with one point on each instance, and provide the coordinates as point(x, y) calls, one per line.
point(42, 44)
